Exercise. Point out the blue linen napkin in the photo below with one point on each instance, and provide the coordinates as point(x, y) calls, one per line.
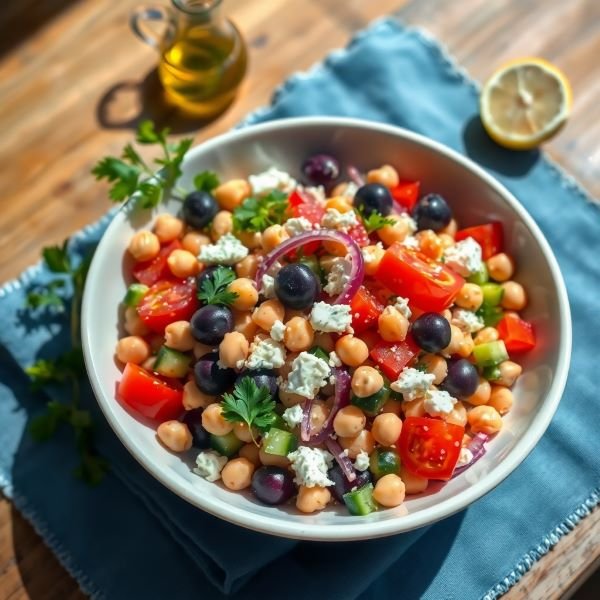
point(131, 538)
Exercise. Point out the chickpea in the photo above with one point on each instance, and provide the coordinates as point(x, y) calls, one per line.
point(144, 245)
point(133, 349)
point(318, 415)
point(340, 203)
point(458, 416)
point(397, 232)
point(288, 399)
point(386, 429)
point(341, 189)
point(430, 244)
point(221, 225)
point(193, 397)
point(366, 381)
point(273, 236)
point(234, 350)
point(509, 373)
point(446, 240)
point(349, 421)
point(237, 474)
point(389, 491)
point(194, 240)
point(324, 340)
point(466, 346)
point(351, 350)
point(250, 452)
point(299, 334)
point(267, 313)
point(372, 256)
point(273, 459)
point(183, 263)
point(484, 419)
point(335, 248)
point(178, 335)
point(361, 441)
point(232, 193)
point(242, 432)
point(456, 338)
point(175, 436)
point(285, 370)
point(500, 267)
point(168, 228)
point(133, 324)
point(436, 365)
point(393, 407)
point(485, 335)
point(413, 408)
point(312, 499)
point(414, 484)
point(450, 229)
point(482, 393)
point(392, 325)
point(247, 267)
point(385, 175)
point(501, 399)
point(470, 296)
point(243, 323)
point(247, 294)
point(514, 297)
point(250, 239)
point(214, 422)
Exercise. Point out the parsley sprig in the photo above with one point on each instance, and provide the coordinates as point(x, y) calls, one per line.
point(374, 221)
point(206, 181)
point(258, 213)
point(214, 288)
point(67, 368)
point(131, 176)
point(249, 404)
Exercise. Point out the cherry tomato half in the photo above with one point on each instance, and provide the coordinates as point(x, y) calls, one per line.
point(489, 236)
point(150, 271)
point(427, 284)
point(365, 310)
point(430, 447)
point(148, 394)
point(168, 301)
point(392, 357)
point(406, 194)
point(517, 334)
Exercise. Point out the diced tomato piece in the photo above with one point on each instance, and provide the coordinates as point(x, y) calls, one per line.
point(392, 357)
point(489, 236)
point(168, 301)
point(295, 199)
point(406, 194)
point(517, 334)
point(384, 295)
point(365, 310)
point(311, 211)
point(150, 271)
point(430, 447)
point(429, 285)
point(149, 395)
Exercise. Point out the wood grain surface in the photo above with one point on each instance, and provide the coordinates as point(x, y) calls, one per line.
point(74, 81)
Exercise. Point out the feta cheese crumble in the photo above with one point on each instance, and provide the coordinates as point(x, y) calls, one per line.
point(278, 331)
point(227, 251)
point(297, 225)
point(410, 241)
point(338, 277)
point(438, 403)
point(361, 463)
point(266, 354)
point(412, 383)
point(334, 219)
point(268, 286)
point(330, 318)
point(309, 373)
point(209, 465)
point(464, 458)
point(401, 305)
point(411, 224)
point(271, 179)
point(467, 320)
point(369, 256)
point(334, 359)
point(293, 415)
point(464, 257)
point(310, 466)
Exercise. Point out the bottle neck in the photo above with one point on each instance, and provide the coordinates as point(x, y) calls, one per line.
point(198, 12)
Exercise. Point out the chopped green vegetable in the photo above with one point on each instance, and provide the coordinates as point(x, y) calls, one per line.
point(256, 214)
point(384, 461)
point(279, 442)
point(480, 277)
point(491, 315)
point(374, 221)
point(371, 405)
point(492, 294)
point(214, 288)
point(360, 502)
point(135, 293)
point(227, 444)
point(171, 363)
point(319, 353)
point(490, 354)
point(206, 181)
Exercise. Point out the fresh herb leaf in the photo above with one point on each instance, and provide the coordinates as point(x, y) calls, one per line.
point(124, 176)
point(150, 194)
point(249, 404)
point(45, 371)
point(46, 295)
point(147, 133)
point(57, 258)
point(206, 181)
point(92, 468)
point(214, 288)
point(256, 214)
point(374, 221)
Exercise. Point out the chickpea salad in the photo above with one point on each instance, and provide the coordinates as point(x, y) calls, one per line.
point(334, 339)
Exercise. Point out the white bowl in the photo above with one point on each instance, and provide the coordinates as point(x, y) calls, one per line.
point(474, 196)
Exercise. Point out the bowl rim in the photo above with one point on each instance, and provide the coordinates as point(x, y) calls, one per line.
point(369, 529)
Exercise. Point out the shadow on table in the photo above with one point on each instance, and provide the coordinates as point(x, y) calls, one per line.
point(126, 103)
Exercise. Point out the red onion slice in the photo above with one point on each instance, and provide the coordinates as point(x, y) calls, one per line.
point(357, 272)
point(477, 448)
point(305, 425)
point(341, 458)
point(355, 176)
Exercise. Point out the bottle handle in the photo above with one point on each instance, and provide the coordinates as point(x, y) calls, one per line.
point(139, 17)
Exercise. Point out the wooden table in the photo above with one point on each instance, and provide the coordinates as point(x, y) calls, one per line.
point(70, 81)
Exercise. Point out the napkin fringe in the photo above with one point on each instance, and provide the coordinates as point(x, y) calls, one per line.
point(547, 543)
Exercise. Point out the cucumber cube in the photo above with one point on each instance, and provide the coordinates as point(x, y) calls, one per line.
point(492, 294)
point(135, 293)
point(490, 354)
point(227, 445)
point(172, 363)
point(319, 353)
point(371, 405)
point(491, 315)
point(480, 277)
point(360, 502)
point(279, 442)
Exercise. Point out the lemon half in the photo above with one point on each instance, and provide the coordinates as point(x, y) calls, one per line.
point(525, 102)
